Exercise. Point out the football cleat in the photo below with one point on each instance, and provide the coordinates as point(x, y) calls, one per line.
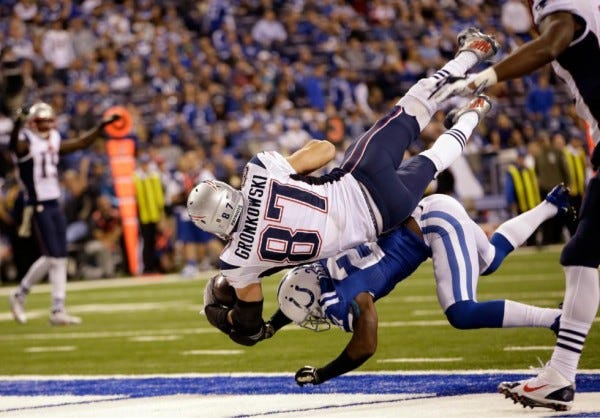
point(17, 307)
point(63, 318)
point(482, 45)
point(559, 197)
point(480, 105)
point(549, 389)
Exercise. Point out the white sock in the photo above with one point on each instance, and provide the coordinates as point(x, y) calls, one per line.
point(446, 149)
point(58, 282)
point(518, 314)
point(462, 63)
point(582, 296)
point(35, 274)
point(518, 229)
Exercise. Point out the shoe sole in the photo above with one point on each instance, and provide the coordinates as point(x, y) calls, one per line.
point(528, 402)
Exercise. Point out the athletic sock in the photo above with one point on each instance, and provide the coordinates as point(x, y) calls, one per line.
point(36, 273)
point(518, 229)
point(446, 149)
point(58, 282)
point(518, 314)
point(580, 305)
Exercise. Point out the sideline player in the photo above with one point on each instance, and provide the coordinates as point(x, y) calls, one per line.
point(283, 217)
point(569, 37)
point(343, 289)
point(37, 147)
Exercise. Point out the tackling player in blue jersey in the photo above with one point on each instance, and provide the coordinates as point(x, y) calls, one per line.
point(569, 38)
point(37, 147)
point(343, 289)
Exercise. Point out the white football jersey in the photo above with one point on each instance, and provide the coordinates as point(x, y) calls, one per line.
point(290, 219)
point(579, 64)
point(38, 170)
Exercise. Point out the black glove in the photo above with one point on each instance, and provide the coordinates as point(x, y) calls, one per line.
point(306, 375)
point(109, 119)
point(22, 114)
point(595, 159)
point(266, 331)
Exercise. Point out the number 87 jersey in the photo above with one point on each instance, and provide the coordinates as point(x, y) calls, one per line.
point(290, 219)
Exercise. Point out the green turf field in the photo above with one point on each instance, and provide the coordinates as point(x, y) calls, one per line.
point(146, 326)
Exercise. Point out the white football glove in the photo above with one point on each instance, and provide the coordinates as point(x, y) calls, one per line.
point(454, 86)
point(469, 85)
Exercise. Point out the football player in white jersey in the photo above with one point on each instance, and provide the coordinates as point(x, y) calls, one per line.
point(569, 38)
point(283, 217)
point(36, 147)
point(342, 290)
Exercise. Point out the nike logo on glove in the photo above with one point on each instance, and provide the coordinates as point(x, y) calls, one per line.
point(528, 388)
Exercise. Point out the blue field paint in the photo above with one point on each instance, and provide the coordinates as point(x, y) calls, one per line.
point(438, 384)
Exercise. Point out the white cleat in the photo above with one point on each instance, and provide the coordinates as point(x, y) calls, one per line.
point(63, 318)
point(484, 46)
point(549, 389)
point(17, 307)
point(480, 104)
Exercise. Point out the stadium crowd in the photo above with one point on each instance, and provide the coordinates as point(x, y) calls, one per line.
point(209, 83)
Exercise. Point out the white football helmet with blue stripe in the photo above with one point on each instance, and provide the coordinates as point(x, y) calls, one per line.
point(298, 296)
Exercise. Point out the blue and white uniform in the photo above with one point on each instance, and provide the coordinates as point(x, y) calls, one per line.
point(459, 248)
point(38, 172)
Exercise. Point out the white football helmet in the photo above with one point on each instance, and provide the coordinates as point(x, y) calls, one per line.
point(42, 118)
point(215, 207)
point(298, 296)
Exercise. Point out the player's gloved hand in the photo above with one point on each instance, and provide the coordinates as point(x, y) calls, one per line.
point(269, 330)
point(306, 375)
point(22, 114)
point(266, 331)
point(454, 86)
point(109, 119)
point(595, 159)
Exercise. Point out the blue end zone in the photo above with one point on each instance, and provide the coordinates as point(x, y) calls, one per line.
point(438, 384)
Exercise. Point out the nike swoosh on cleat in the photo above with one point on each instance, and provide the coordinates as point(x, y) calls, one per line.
point(527, 388)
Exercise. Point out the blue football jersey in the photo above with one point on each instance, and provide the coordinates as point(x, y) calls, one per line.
point(374, 267)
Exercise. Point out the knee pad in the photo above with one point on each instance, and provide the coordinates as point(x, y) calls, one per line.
point(468, 314)
point(460, 314)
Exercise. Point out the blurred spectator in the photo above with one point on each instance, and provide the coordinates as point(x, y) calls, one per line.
point(104, 249)
point(521, 188)
point(78, 203)
point(576, 158)
point(551, 169)
point(515, 18)
point(57, 47)
point(151, 205)
point(540, 100)
point(268, 31)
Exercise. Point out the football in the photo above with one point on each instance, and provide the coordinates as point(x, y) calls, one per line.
point(223, 292)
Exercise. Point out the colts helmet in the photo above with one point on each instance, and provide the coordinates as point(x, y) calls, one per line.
point(42, 118)
point(298, 296)
point(215, 207)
